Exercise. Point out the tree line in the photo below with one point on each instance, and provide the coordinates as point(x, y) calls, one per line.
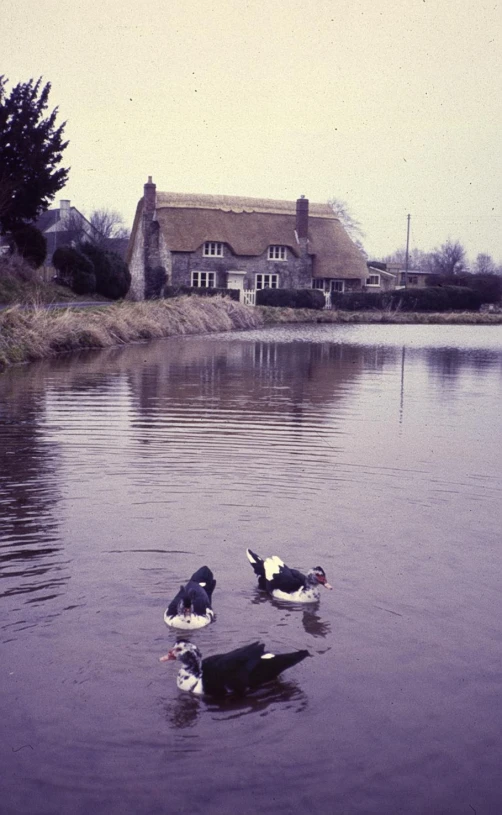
point(447, 260)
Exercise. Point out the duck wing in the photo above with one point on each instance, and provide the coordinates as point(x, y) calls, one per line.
point(271, 665)
point(231, 672)
point(280, 576)
point(204, 577)
point(173, 606)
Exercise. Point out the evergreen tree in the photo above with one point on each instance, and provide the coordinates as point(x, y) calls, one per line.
point(113, 278)
point(31, 147)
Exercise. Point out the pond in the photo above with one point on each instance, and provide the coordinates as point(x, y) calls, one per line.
point(374, 451)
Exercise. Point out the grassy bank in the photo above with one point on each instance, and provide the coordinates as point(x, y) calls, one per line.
point(19, 283)
point(28, 334)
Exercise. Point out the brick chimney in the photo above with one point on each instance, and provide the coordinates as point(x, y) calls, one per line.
point(149, 196)
point(302, 217)
point(64, 210)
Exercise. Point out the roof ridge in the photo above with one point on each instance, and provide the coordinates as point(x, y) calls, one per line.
point(238, 203)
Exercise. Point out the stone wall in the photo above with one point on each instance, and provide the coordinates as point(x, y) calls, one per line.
point(293, 273)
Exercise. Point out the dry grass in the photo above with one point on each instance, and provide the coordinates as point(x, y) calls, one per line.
point(28, 334)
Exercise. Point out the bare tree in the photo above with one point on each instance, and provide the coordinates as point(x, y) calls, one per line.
point(449, 259)
point(109, 225)
point(351, 225)
point(418, 261)
point(484, 264)
point(76, 228)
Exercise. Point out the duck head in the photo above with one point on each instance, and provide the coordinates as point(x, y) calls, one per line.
point(318, 575)
point(187, 653)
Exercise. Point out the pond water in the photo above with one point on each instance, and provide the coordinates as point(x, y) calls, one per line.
point(374, 451)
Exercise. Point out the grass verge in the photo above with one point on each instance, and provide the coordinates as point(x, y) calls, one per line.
point(275, 316)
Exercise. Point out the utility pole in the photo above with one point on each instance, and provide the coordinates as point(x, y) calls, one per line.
point(405, 281)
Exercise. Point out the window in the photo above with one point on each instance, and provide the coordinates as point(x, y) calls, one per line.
point(373, 280)
point(212, 249)
point(267, 281)
point(277, 253)
point(337, 285)
point(203, 280)
point(412, 280)
point(318, 283)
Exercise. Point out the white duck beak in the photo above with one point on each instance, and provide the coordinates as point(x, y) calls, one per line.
point(169, 656)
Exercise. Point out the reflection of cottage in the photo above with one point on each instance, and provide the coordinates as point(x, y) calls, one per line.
point(239, 243)
point(385, 276)
point(64, 226)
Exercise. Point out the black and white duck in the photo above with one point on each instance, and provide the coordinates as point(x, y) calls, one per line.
point(191, 608)
point(236, 672)
point(287, 584)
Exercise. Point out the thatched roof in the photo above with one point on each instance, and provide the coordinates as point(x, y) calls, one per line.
point(250, 225)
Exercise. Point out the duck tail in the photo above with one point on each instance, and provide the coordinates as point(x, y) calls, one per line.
point(257, 563)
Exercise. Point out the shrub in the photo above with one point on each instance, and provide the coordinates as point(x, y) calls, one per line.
point(359, 300)
point(276, 297)
point(310, 298)
point(75, 270)
point(30, 243)
point(155, 282)
point(119, 281)
point(431, 298)
point(113, 278)
point(488, 286)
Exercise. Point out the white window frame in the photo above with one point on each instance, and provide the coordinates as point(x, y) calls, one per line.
point(329, 284)
point(212, 249)
point(266, 281)
point(203, 280)
point(373, 277)
point(277, 252)
point(337, 285)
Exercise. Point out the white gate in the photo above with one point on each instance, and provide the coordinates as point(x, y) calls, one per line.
point(248, 297)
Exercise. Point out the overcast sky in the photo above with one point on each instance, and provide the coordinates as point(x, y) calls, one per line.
point(393, 106)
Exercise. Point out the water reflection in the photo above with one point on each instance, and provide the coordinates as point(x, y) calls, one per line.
point(184, 711)
point(31, 561)
point(314, 625)
point(284, 694)
point(449, 363)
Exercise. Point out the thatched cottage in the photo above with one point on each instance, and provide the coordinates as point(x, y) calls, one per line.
point(240, 243)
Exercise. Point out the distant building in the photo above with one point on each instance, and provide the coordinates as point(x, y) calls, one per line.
point(239, 243)
point(386, 276)
point(64, 226)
